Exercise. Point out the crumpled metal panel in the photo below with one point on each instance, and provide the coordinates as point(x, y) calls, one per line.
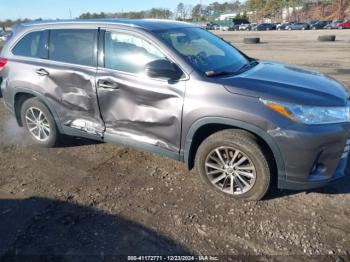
point(142, 109)
point(75, 96)
point(69, 89)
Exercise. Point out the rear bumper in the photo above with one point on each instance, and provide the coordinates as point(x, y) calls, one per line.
point(5, 96)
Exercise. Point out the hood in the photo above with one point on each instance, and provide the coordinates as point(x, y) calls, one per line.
point(275, 81)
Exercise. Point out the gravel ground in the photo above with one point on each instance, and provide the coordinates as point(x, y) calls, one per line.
point(86, 198)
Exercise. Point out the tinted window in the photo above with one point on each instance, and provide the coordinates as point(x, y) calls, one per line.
point(32, 45)
point(128, 53)
point(73, 46)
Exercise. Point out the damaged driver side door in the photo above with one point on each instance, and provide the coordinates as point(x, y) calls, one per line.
point(137, 110)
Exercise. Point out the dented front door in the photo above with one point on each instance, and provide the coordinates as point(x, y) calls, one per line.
point(133, 106)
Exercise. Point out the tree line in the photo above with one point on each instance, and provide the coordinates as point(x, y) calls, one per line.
point(199, 12)
point(273, 8)
point(152, 13)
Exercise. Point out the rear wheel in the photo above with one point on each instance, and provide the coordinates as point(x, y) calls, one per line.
point(39, 123)
point(232, 162)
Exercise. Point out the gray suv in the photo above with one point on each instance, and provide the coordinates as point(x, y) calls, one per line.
point(182, 92)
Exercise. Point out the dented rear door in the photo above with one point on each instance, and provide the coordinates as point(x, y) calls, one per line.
point(69, 76)
point(133, 106)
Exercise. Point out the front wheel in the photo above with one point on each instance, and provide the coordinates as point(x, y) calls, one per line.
point(232, 162)
point(39, 123)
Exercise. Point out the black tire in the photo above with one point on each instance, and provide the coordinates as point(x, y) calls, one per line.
point(247, 144)
point(54, 136)
point(251, 40)
point(326, 38)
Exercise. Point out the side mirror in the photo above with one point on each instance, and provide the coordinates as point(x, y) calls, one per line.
point(163, 68)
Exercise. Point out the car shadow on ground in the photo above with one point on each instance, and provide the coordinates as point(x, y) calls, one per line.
point(70, 141)
point(65, 231)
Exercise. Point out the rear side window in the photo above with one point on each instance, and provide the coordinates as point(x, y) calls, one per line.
point(33, 44)
point(74, 46)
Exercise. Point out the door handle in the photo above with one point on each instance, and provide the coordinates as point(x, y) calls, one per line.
point(42, 72)
point(107, 84)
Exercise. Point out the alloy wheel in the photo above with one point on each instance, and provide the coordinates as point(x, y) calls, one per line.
point(230, 170)
point(37, 123)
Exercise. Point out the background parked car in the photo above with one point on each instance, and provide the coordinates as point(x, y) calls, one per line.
point(253, 27)
point(319, 25)
point(311, 23)
point(225, 28)
point(298, 26)
point(209, 27)
point(236, 23)
point(283, 25)
point(212, 26)
point(344, 25)
point(265, 27)
point(333, 25)
point(245, 27)
point(216, 27)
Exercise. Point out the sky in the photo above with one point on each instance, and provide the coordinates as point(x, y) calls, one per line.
point(52, 9)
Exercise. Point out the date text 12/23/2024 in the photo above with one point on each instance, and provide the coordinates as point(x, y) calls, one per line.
point(173, 258)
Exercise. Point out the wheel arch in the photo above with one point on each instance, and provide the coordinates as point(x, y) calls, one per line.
point(206, 126)
point(22, 94)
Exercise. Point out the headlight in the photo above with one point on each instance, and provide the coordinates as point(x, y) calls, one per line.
point(310, 114)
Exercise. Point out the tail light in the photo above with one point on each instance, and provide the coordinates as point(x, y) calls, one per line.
point(3, 62)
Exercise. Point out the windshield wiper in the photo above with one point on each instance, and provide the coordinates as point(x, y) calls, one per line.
point(247, 66)
point(220, 73)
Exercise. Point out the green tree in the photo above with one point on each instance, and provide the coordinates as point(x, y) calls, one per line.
point(180, 11)
point(197, 12)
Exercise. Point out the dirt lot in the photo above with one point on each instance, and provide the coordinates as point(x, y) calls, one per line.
point(86, 198)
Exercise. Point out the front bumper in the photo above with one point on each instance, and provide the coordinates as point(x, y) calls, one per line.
point(314, 183)
point(314, 156)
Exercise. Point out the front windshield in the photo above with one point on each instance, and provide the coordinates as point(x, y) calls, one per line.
point(204, 51)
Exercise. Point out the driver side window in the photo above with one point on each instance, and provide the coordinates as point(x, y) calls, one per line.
point(128, 53)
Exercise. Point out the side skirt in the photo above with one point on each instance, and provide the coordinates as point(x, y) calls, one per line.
point(127, 142)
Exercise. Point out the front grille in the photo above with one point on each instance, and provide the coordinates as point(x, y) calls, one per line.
point(346, 149)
